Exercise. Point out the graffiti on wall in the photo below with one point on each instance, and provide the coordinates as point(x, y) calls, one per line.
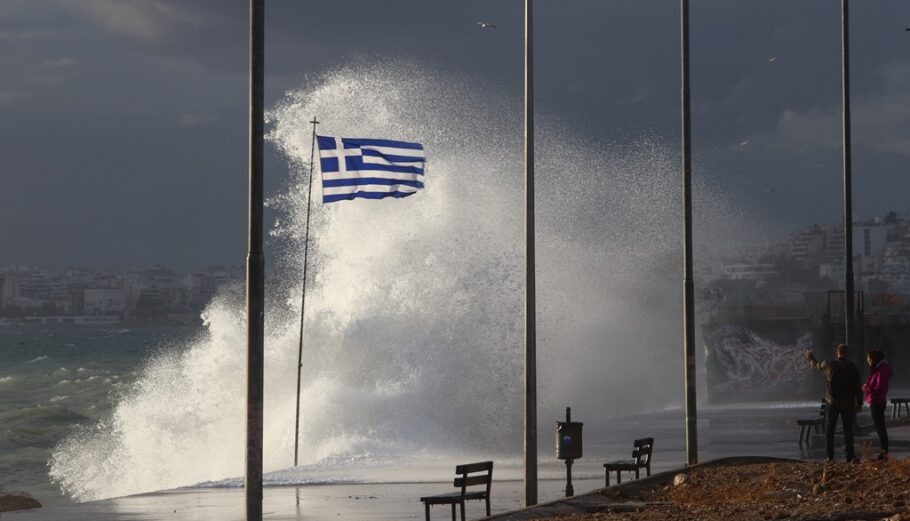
point(748, 365)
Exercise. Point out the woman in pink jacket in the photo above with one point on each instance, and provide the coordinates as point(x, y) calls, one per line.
point(876, 390)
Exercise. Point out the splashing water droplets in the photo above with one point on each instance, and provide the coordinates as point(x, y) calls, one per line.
point(414, 326)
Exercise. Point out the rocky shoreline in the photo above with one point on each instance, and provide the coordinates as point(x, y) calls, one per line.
point(12, 501)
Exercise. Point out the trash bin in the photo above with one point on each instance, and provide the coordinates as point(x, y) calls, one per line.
point(568, 438)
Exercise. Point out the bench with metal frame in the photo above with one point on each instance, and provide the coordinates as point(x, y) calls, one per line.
point(463, 480)
point(897, 404)
point(806, 426)
point(641, 458)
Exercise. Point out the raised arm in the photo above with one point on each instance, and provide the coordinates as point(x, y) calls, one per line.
point(810, 357)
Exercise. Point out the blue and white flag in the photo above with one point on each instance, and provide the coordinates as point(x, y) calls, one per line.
point(369, 168)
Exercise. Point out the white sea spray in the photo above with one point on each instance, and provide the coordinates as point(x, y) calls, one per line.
point(414, 319)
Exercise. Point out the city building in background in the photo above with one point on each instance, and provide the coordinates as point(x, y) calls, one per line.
point(94, 296)
point(760, 310)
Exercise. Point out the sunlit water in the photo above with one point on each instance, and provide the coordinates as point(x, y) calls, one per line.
point(414, 349)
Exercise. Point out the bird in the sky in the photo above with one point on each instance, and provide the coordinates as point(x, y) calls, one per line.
point(744, 143)
point(486, 25)
point(771, 59)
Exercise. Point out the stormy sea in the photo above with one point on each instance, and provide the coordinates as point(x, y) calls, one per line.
point(414, 350)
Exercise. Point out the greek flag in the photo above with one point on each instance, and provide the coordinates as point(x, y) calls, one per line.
point(369, 168)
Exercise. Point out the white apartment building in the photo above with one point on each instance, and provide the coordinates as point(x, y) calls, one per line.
point(870, 239)
point(104, 301)
point(835, 272)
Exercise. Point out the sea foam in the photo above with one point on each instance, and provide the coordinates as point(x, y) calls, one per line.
point(414, 314)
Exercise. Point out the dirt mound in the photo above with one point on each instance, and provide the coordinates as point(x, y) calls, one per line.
point(762, 491)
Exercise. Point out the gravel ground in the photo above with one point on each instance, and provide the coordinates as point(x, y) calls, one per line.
point(785, 490)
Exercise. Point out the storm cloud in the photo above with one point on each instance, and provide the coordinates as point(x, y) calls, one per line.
point(123, 122)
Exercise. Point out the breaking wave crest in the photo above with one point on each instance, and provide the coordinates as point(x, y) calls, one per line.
point(414, 336)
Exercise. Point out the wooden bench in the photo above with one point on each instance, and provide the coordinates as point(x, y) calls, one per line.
point(463, 480)
point(641, 458)
point(897, 404)
point(807, 425)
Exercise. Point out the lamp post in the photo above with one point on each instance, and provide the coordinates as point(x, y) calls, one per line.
point(849, 308)
point(688, 283)
point(530, 420)
point(255, 292)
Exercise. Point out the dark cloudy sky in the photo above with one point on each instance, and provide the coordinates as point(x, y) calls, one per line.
point(123, 122)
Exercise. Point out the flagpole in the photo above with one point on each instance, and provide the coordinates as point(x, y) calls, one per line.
point(255, 287)
point(306, 244)
point(849, 309)
point(530, 435)
point(688, 283)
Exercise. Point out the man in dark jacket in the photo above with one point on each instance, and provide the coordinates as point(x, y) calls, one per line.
point(843, 395)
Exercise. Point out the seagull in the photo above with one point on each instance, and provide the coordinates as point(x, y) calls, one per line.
point(486, 25)
point(771, 59)
point(744, 143)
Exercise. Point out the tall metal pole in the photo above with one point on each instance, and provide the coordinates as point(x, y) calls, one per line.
point(688, 284)
point(530, 440)
point(255, 288)
point(849, 311)
point(306, 247)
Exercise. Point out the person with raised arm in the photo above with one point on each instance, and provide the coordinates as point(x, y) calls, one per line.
point(843, 397)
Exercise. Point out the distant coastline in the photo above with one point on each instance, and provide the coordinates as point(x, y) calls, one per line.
point(157, 295)
point(170, 319)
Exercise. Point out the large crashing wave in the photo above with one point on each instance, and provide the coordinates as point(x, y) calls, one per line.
point(414, 315)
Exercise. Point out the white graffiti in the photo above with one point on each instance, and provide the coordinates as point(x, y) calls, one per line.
point(744, 361)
